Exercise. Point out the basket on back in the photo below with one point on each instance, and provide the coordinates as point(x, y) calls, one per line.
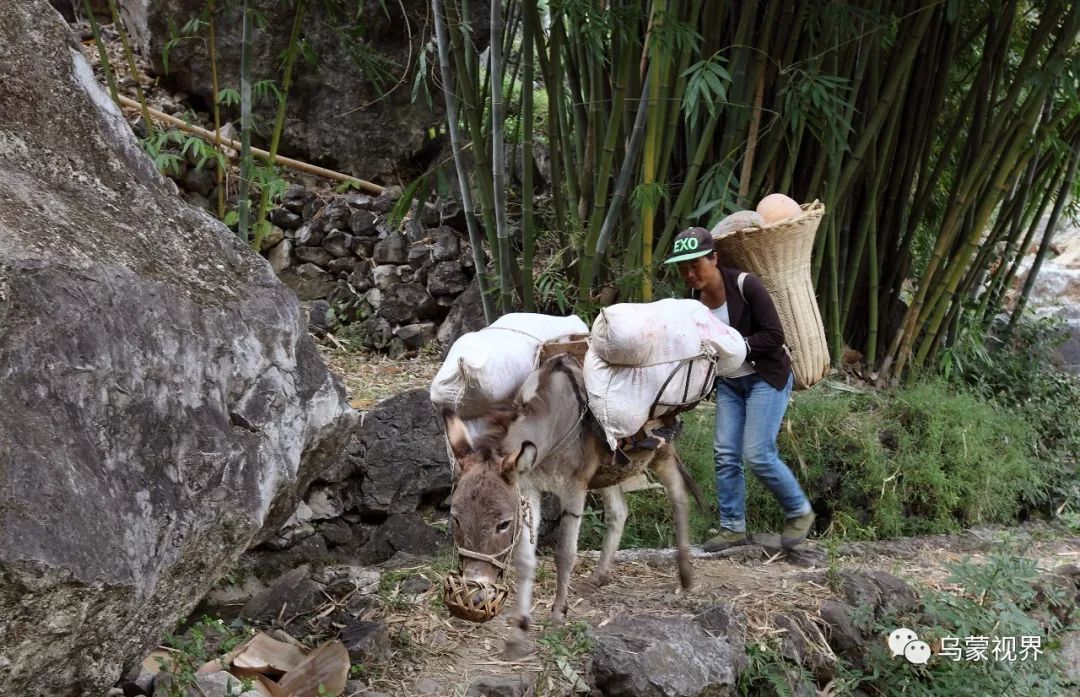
point(779, 255)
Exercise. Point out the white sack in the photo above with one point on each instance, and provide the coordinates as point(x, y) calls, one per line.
point(491, 364)
point(642, 334)
point(620, 397)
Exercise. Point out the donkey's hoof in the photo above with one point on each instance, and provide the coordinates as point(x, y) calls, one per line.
point(598, 580)
point(517, 648)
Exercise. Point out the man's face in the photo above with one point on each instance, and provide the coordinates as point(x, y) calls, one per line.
point(697, 273)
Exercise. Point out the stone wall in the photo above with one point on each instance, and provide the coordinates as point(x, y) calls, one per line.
point(387, 289)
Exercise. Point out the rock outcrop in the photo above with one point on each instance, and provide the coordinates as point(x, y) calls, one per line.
point(163, 404)
point(651, 656)
point(359, 62)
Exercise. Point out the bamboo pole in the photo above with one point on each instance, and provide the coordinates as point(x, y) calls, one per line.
point(243, 202)
point(626, 171)
point(235, 145)
point(653, 134)
point(498, 159)
point(466, 66)
point(475, 239)
point(603, 177)
point(211, 25)
point(1021, 251)
point(528, 223)
point(897, 79)
point(103, 57)
point(132, 68)
point(279, 119)
point(1044, 245)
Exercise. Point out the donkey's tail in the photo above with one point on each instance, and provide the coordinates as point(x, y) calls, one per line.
point(691, 484)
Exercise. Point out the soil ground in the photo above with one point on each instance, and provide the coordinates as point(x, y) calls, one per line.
point(442, 654)
point(435, 653)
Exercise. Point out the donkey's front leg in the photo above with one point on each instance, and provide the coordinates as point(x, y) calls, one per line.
point(517, 643)
point(615, 512)
point(666, 467)
point(573, 505)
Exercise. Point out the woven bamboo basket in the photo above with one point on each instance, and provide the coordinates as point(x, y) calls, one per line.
point(779, 255)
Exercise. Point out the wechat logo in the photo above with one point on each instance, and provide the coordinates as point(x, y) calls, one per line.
point(904, 642)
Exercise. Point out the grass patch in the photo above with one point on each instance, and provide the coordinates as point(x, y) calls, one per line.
point(996, 600)
point(930, 458)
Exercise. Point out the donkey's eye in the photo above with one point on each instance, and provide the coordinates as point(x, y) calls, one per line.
point(503, 526)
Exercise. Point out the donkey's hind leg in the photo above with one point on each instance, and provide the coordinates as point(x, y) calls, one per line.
point(573, 506)
point(615, 513)
point(667, 471)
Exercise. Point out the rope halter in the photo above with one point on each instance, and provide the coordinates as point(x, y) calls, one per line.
point(480, 601)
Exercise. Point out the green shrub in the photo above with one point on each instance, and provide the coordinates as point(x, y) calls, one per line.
point(996, 600)
point(918, 460)
point(1021, 377)
point(922, 459)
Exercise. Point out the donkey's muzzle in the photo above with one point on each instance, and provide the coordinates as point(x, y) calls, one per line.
point(475, 601)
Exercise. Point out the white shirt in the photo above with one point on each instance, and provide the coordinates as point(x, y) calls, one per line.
point(725, 317)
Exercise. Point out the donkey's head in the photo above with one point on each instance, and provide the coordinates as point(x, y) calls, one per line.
point(486, 506)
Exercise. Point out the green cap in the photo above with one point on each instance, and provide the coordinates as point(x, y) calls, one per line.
point(691, 244)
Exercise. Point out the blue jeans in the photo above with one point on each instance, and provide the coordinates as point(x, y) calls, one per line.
point(748, 415)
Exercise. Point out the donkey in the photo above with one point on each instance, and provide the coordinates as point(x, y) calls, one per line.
point(546, 440)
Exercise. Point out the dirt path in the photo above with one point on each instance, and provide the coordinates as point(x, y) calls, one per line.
point(439, 654)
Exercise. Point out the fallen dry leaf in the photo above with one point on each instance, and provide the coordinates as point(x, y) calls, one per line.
point(326, 666)
point(157, 659)
point(265, 654)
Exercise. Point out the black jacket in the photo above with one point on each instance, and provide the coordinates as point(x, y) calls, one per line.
point(756, 319)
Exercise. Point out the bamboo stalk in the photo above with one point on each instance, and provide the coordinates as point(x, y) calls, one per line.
point(450, 96)
point(132, 68)
point(897, 78)
point(236, 145)
point(498, 159)
point(103, 57)
point(211, 10)
point(603, 176)
point(689, 187)
point(623, 182)
point(653, 134)
point(549, 69)
point(1021, 251)
point(468, 86)
point(980, 171)
point(1044, 245)
point(243, 203)
point(528, 224)
point(279, 119)
point(942, 294)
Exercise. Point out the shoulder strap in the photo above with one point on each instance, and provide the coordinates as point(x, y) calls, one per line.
point(742, 294)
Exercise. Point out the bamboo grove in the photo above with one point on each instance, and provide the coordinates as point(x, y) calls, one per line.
point(937, 133)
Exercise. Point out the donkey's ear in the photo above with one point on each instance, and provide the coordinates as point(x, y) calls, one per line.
point(520, 461)
point(457, 435)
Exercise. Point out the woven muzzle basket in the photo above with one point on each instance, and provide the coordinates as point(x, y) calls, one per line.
point(459, 596)
point(780, 256)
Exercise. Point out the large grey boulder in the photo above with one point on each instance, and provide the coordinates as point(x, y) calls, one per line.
point(163, 407)
point(651, 656)
point(396, 458)
point(466, 315)
point(330, 118)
